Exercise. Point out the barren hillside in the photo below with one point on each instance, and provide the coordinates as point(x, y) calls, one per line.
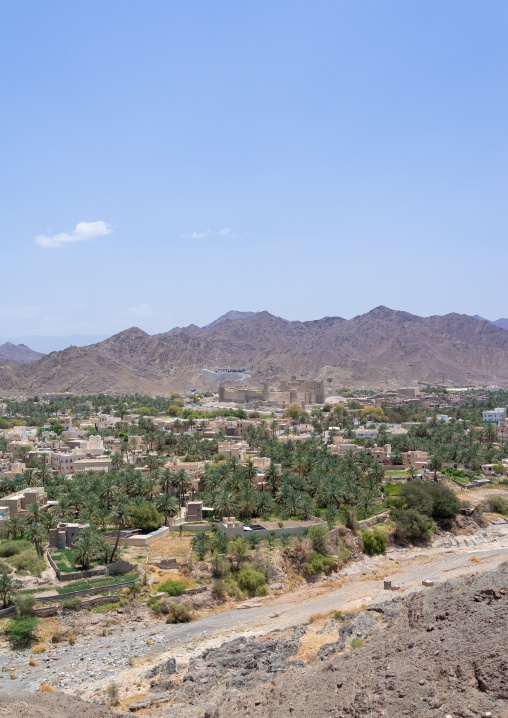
point(380, 347)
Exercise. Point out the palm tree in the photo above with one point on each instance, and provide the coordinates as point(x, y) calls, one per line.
point(36, 534)
point(120, 519)
point(411, 472)
point(182, 484)
point(224, 504)
point(168, 506)
point(34, 514)
point(221, 542)
point(272, 477)
point(6, 587)
point(117, 461)
point(435, 465)
point(247, 502)
point(200, 544)
point(44, 473)
point(108, 489)
point(12, 526)
point(85, 547)
point(166, 480)
point(266, 504)
point(250, 472)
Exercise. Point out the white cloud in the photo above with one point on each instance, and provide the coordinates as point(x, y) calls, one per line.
point(202, 235)
point(142, 310)
point(82, 231)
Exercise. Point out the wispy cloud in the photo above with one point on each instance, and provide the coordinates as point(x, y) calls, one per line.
point(81, 232)
point(208, 233)
point(141, 310)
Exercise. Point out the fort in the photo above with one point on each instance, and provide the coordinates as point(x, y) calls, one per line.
point(294, 391)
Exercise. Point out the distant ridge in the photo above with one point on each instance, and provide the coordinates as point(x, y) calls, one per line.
point(501, 323)
point(380, 348)
point(48, 344)
point(18, 353)
point(233, 314)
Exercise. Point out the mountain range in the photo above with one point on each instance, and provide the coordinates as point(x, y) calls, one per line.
point(380, 348)
point(18, 353)
point(47, 344)
point(502, 323)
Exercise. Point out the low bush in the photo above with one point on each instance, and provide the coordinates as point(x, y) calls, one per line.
point(374, 541)
point(411, 525)
point(219, 589)
point(318, 537)
point(72, 604)
point(318, 563)
point(21, 630)
point(179, 613)
point(499, 505)
point(11, 548)
point(356, 643)
point(172, 588)
point(28, 562)
point(5, 567)
point(25, 604)
point(252, 581)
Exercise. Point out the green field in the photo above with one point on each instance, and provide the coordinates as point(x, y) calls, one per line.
point(96, 583)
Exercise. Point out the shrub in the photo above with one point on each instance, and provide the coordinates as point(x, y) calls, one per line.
point(172, 588)
point(146, 517)
point(318, 563)
point(72, 604)
point(499, 505)
point(179, 613)
point(253, 539)
point(252, 581)
point(219, 589)
point(445, 504)
point(356, 643)
point(285, 539)
point(28, 562)
point(113, 693)
point(374, 541)
point(11, 548)
point(411, 525)
point(318, 538)
point(25, 604)
point(21, 630)
point(238, 549)
point(337, 615)
point(5, 567)
point(430, 498)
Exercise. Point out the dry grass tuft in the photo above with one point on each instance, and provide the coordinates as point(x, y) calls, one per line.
point(317, 617)
point(474, 559)
point(33, 663)
point(46, 688)
point(39, 648)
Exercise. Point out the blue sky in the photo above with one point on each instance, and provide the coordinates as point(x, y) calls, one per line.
point(163, 162)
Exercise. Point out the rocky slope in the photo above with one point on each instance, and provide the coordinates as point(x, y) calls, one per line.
point(381, 347)
point(438, 652)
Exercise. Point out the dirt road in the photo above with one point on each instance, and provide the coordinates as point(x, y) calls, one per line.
point(91, 664)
